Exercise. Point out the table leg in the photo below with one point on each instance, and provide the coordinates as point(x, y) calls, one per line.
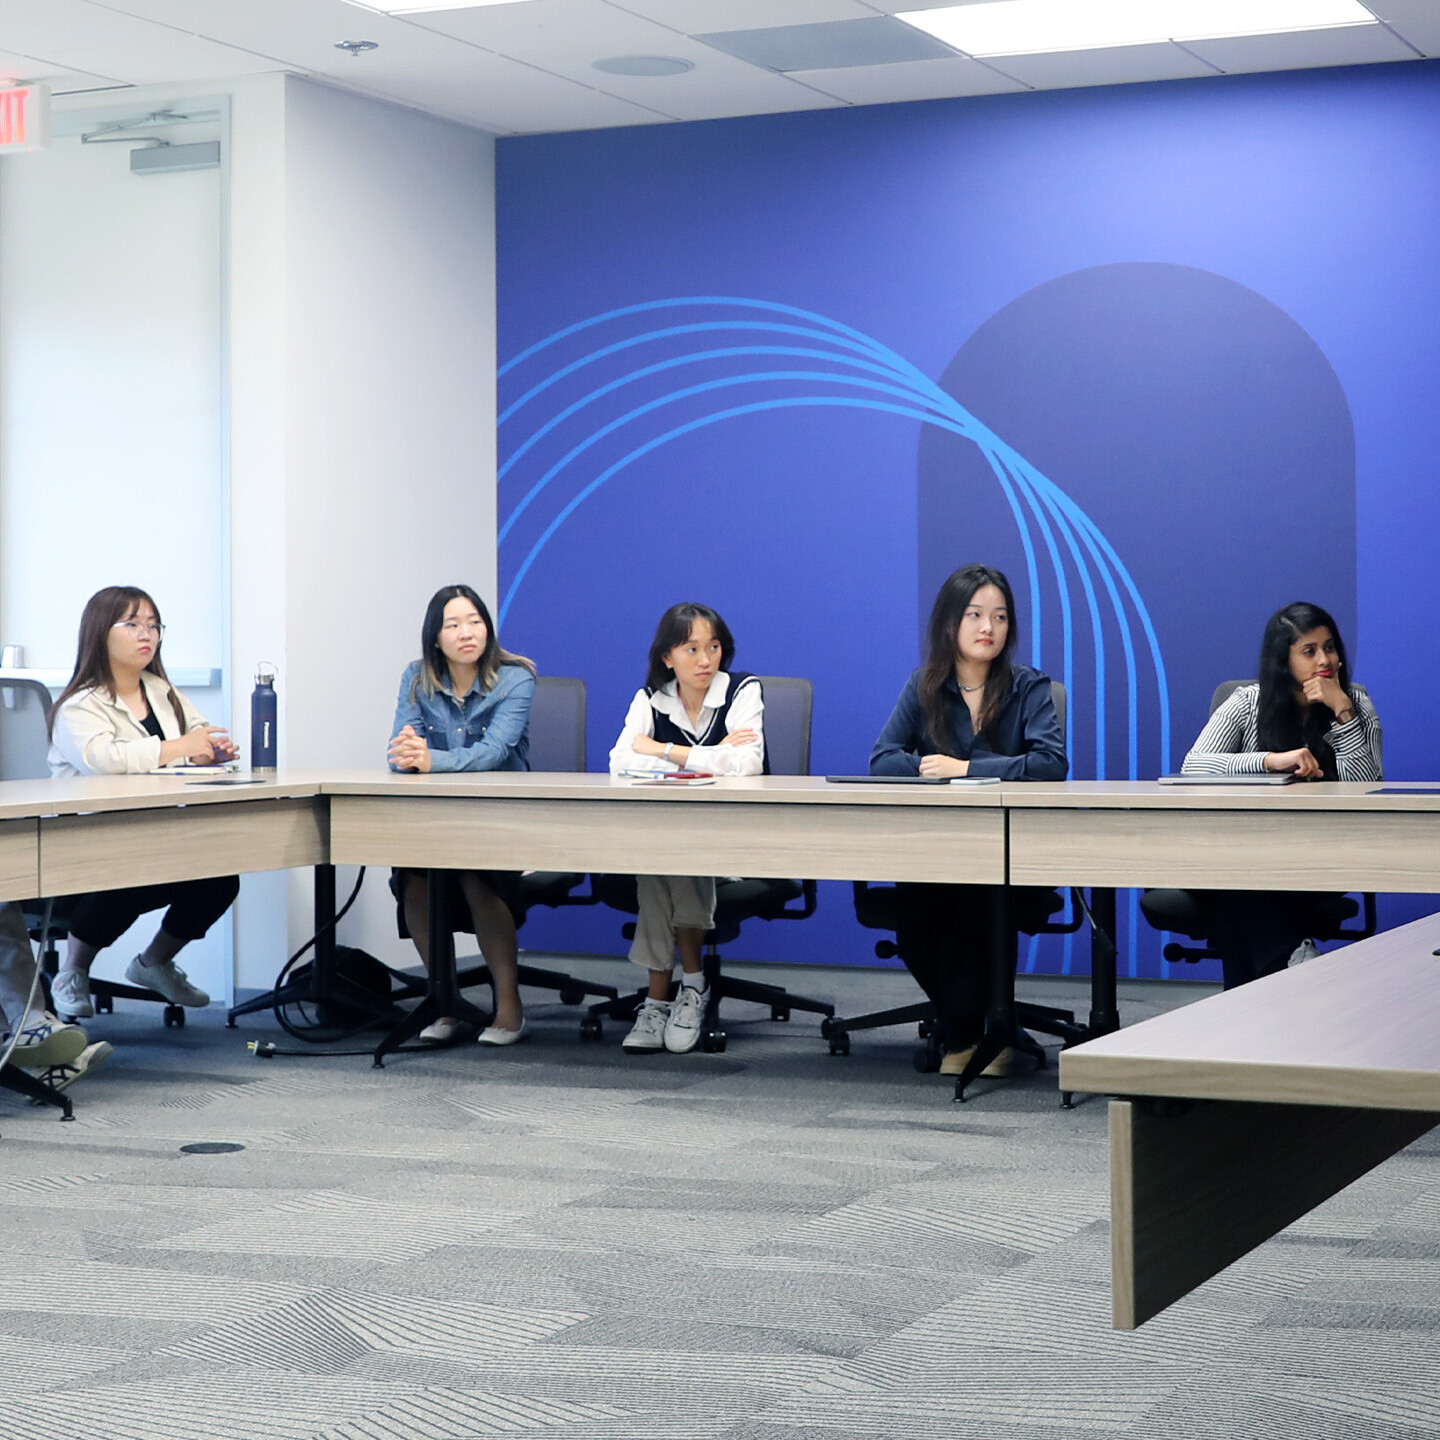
point(1196, 1185)
point(442, 994)
point(1104, 1006)
point(1000, 1014)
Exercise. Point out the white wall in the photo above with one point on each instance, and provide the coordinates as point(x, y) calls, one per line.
point(388, 326)
point(357, 240)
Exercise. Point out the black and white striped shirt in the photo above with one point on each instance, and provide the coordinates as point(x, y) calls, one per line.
point(1230, 742)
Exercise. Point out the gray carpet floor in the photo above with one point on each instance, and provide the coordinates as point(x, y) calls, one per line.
point(772, 1243)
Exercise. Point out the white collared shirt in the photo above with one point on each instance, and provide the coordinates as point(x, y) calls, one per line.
point(95, 734)
point(747, 713)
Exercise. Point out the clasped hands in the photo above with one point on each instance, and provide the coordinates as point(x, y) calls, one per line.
point(408, 751)
point(208, 745)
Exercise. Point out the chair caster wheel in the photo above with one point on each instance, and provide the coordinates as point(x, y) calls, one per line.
point(105, 1005)
point(827, 1026)
point(591, 1029)
point(571, 996)
point(1067, 1099)
point(229, 1022)
point(927, 1058)
point(840, 1044)
point(713, 1042)
point(174, 1016)
point(779, 1012)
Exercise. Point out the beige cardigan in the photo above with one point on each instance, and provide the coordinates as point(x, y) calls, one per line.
point(95, 734)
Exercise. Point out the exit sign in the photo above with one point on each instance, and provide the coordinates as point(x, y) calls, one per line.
point(24, 118)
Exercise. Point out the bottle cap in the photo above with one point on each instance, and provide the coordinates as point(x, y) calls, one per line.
point(265, 673)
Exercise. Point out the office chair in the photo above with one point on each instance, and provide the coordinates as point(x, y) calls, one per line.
point(1185, 912)
point(557, 743)
point(24, 746)
point(881, 907)
point(787, 751)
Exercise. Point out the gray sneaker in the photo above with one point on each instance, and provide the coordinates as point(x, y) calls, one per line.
point(169, 979)
point(70, 990)
point(648, 1032)
point(682, 1030)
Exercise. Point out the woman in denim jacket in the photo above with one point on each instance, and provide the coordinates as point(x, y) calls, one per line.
point(465, 705)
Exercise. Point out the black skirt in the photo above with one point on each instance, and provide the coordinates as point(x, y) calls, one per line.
point(505, 883)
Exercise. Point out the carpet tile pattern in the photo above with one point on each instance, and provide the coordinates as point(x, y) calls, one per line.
point(562, 1240)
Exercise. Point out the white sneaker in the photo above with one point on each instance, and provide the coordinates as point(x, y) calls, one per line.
point(62, 1077)
point(1305, 950)
point(682, 1029)
point(648, 1031)
point(170, 980)
point(70, 990)
point(45, 1040)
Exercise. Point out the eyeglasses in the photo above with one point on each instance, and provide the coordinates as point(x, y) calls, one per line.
point(140, 627)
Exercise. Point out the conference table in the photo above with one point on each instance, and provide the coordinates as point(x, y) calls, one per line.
point(1237, 1115)
point(1334, 1081)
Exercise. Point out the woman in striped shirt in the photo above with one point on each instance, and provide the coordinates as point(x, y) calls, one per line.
point(1303, 717)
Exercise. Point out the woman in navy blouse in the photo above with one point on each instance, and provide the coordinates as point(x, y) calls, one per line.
point(969, 710)
point(465, 705)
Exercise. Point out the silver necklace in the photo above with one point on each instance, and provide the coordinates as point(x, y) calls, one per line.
point(970, 689)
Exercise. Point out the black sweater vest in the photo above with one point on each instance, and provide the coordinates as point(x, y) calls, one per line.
point(667, 732)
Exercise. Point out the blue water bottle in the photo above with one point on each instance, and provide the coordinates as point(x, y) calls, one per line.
point(262, 718)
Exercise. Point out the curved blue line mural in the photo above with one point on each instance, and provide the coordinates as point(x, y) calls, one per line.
point(1035, 502)
point(1020, 437)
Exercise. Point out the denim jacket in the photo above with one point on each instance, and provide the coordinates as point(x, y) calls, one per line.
point(485, 730)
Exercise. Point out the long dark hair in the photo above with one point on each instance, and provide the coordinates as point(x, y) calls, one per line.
point(103, 611)
point(942, 649)
point(434, 667)
point(1282, 721)
point(674, 629)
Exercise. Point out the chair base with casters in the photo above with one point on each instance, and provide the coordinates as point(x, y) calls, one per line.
point(735, 901)
point(878, 907)
point(22, 1082)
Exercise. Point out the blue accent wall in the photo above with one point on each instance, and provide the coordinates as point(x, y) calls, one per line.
point(1167, 354)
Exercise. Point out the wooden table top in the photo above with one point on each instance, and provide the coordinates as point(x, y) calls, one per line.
point(756, 789)
point(78, 795)
point(1151, 795)
point(1359, 1026)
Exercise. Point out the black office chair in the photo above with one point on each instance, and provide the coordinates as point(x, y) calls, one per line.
point(557, 743)
point(881, 907)
point(24, 748)
point(1185, 912)
point(787, 748)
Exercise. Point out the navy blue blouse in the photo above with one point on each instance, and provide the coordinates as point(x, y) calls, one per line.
point(1023, 742)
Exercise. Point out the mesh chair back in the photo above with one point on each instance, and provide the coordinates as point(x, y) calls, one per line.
point(557, 724)
point(1057, 695)
point(24, 742)
point(787, 723)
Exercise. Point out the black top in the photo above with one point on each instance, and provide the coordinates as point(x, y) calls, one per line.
point(151, 724)
point(1023, 742)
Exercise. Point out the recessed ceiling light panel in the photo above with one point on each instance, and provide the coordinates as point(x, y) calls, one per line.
point(1025, 27)
point(643, 65)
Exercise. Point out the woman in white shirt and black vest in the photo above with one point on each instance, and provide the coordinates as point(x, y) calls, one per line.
point(120, 715)
point(693, 713)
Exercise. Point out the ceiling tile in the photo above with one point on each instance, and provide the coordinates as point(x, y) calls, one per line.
point(541, 30)
point(1417, 20)
point(1350, 45)
point(879, 40)
point(695, 16)
point(718, 86)
point(161, 58)
point(917, 80)
point(22, 68)
point(1118, 65)
point(499, 94)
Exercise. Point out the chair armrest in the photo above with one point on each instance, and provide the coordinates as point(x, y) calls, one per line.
point(1368, 925)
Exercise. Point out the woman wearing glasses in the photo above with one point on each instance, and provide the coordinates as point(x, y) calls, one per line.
point(465, 705)
point(120, 715)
